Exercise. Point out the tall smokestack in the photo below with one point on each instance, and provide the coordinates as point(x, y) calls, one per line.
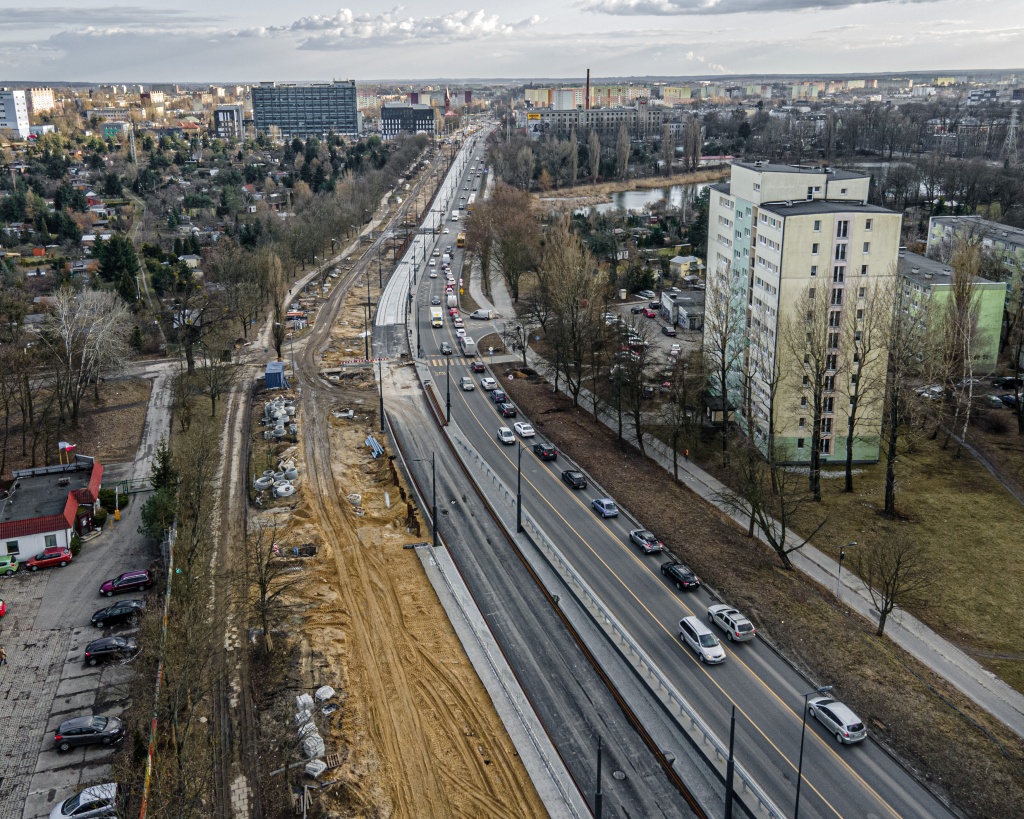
point(586, 102)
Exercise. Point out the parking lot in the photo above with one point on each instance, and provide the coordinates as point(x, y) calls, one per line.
point(688, 341)
point(46, 680)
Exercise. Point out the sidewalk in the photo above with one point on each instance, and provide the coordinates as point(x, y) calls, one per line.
point(941, 656)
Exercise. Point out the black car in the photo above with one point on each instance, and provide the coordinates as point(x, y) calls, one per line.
point(435, 299)
point(446, 348)
point(110, 648)
point(669, 331)
point(478, 367)
point(575, 479)
point(124, 611)
point(95, 730)
point(636, 308)
point(1009, 400)
point(1004, 382)
point(498, 396)
point(680, 574)
point(507, 410)
point(545, 452)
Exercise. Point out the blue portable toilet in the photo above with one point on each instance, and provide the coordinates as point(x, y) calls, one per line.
point(274, 377)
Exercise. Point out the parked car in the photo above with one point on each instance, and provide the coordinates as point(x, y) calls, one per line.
point(89, 730)
point(3, 608)
point(53, 556)
point(992, 401)
point(702, 640)
point(478, 367)
point(575, 479)
point(488, 383)
point(498, 396)
point(545, 452)
point(1009, 400)
point(505, 435)
point(649, 313)
point(1004, 382)
point(123, 611)
point(467, 383)
point(838, 719)
point(507, 409)
point(636, 309)
point(523, 429)
point(646, 294)
point(932, 392)
point(446, 348)
point(680, 574)
point(8, 564)
point(96, 802)
point(736, 627)
point(646, 540)
point(128, 581)
point(110, 648)
point(669, 331)
point(605, 507)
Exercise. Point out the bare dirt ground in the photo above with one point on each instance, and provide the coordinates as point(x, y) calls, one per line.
point(108, 429)
point(583, 195)
point(418, 734)
point(926, 722)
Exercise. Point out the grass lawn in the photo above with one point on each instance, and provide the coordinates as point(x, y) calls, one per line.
point(972, 530)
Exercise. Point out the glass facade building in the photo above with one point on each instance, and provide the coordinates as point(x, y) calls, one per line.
point(306, 110)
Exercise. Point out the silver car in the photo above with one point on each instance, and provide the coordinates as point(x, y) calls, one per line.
point(838, 719)
point(702, 640)
point(467, 383)
point(736, 627)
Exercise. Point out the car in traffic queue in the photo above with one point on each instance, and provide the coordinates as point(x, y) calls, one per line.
point(446, 348)
point(478, 367)
point(702, 640)
point(467, 384)
point(546, 452)
point(507, 409)
point(645, 539)
point(575, 479)
point(680, 574)
point(523, 429)
point(88, 730)
point(605, 507)
point(838, 719)
point(505, 435)
point(498, 396)
point(737, 628)
point(48, 558)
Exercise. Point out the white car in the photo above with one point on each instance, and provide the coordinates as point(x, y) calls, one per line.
point(674, 350)
point(437, 252)
point(524, 429)
point(446, 230)
point(460, 333)
point(505, 435)
point(488, 383)
point(433, 274)
point(458, 322)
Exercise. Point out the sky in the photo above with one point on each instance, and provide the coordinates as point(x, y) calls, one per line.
point(254, 40)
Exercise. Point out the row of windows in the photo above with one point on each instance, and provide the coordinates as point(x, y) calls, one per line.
point(763, 262)
point(764, 240)
point(49, 542)
point(770, 220)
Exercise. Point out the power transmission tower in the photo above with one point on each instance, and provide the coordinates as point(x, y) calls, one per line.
point(1010, 146)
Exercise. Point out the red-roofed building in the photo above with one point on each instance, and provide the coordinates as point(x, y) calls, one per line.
point(47, 505)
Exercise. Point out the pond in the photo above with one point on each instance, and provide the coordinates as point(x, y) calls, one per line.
point(643, 199)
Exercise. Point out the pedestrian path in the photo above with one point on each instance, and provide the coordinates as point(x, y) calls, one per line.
point(970, 677)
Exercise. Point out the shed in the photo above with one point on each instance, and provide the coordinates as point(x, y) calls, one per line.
point(274, 378)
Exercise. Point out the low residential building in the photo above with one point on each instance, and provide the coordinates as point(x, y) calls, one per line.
point(403, 118)
point(45, 506)
point(683, 307)
point(114, 130)
point(1003, 243)
point(640, 119)
point(14, 112)
point(928, 284)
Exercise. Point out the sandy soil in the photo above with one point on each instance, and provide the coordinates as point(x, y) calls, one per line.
point(109, 429)
point(418, 734)
point(583, 195)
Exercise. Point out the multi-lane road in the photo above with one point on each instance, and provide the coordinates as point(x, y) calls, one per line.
point(839, 781)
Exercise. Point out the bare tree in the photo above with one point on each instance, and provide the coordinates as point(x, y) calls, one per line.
point(635, 365)
point(693, 142)
point(668, 148)
point(678, 413)
point(622, 149)
point(723, 347)
point(896, 573)
point(960, 335)
point(594, 155)
point(268, 579)
point(515, 249)
point(480, 231)
point(574, 158)
point(217, 376)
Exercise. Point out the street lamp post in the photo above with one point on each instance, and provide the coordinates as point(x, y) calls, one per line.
point(519, 488)
point(380, 381)
point(839, 574)
point(433, 492)
point(803, 730)
point(448, 393)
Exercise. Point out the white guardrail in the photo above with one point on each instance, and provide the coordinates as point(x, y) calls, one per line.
point(648, 670)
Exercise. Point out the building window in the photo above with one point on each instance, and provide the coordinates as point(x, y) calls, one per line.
point(857, 336)
point(50, 541)
point(810, 292)
point(842, 191)
point(835, 319)
point(837, 297)
point(799, 443)
point(814, 248)
point(810, 192)
point(807, 381)
point(826, 426)
point(12, 547)
point(833, 341)
point(831, 361)
point(863, 270)
point(803, 401)
point(828, 404)
point(842, 228)
point(817, 225)
point(867, 224)
point(863, 292)
point(838, 273)
point(867, 247)
point(814, 270)
point(757, 186)
point(860, 315)
point(830, 383)
point(826, 446)
point(802, 421)
point(840, 253)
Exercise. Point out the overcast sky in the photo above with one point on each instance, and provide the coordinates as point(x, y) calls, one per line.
point(253, 40)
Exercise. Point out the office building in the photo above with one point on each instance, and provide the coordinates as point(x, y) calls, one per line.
point(14, 112)
point(398, 118)
point(928, 283)
point(640, 119)
point(227, 121)
point(780, 236)
point(302, 111)
point(40, 100)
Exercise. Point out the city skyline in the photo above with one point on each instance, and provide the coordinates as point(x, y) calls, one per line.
point(259, 40)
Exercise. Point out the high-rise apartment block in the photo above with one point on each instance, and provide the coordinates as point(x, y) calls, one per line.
point(40, 100)
point(790, 246)
point(306, 110)
point(397, 118)
point(228, 121)
point(14, 112)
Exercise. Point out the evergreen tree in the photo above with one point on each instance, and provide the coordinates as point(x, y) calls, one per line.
point(162, 474)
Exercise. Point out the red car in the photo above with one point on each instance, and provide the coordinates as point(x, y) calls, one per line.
point(54, 556)
point(3, 608)
point(649, 312)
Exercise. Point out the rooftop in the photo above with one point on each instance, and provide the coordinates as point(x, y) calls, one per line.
point(806, 208)
point(45, 492)
point(988, 229)
point(774, 167)
point(928, 272)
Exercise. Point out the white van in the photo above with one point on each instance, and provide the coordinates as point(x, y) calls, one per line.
point(701, 639)
point(455, 216)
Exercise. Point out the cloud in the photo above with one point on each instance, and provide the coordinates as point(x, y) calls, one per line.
point(671, 8)
point(118, 17)
point(348, 28)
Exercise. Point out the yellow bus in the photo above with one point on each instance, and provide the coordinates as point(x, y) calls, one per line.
point(460, 240)
point(471, 202)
